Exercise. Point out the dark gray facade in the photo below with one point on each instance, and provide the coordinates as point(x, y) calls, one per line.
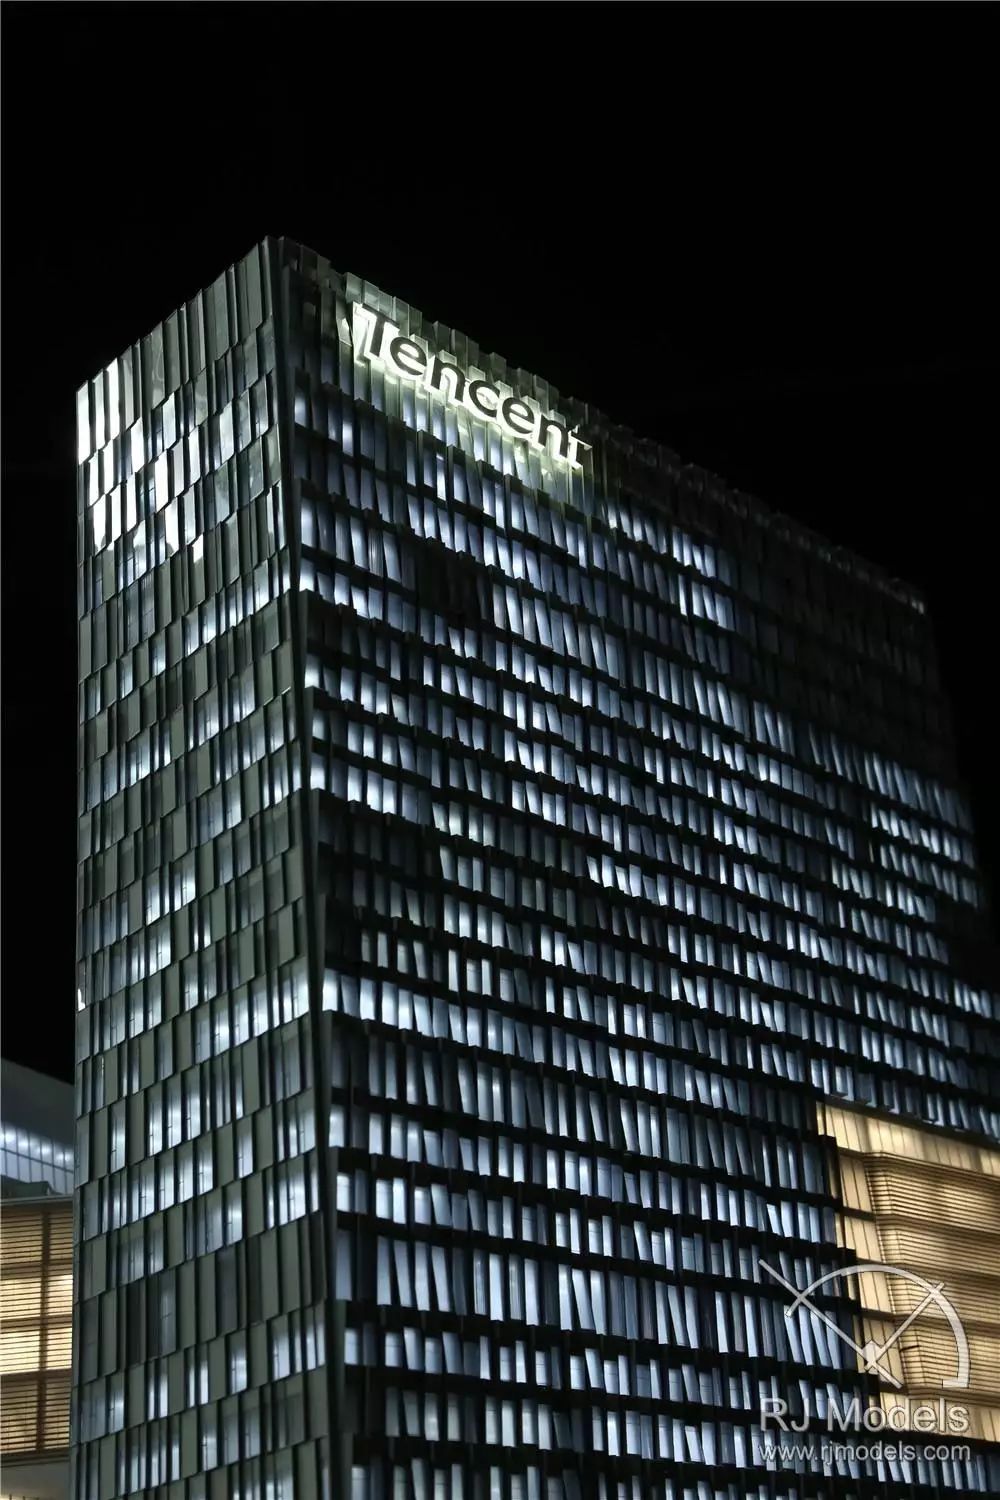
point(494, 838)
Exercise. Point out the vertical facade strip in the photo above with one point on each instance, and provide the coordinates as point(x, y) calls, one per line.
point(200, 1296)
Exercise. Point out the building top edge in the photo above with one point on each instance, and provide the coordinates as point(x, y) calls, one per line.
point(647, 453)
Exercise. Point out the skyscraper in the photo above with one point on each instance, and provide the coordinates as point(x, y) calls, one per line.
point(529, 931)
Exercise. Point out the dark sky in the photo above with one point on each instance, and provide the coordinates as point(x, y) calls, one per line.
point(759, 234)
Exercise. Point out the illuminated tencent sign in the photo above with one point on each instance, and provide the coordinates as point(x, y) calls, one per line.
point(377, 338)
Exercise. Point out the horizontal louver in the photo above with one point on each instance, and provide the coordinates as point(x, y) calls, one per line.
point(928, 1204)
point(36, 1305)
point(34, 1414)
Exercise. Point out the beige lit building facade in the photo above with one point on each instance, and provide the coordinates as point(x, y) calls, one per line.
point(36, 1284)
point(926, 1203)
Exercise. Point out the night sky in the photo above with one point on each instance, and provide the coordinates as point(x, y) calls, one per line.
point(761, 235)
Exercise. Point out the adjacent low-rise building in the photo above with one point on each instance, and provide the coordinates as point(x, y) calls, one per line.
point(36, 1283)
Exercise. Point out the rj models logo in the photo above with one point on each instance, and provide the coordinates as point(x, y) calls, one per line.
point(377, 338)
point(940, 1416)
